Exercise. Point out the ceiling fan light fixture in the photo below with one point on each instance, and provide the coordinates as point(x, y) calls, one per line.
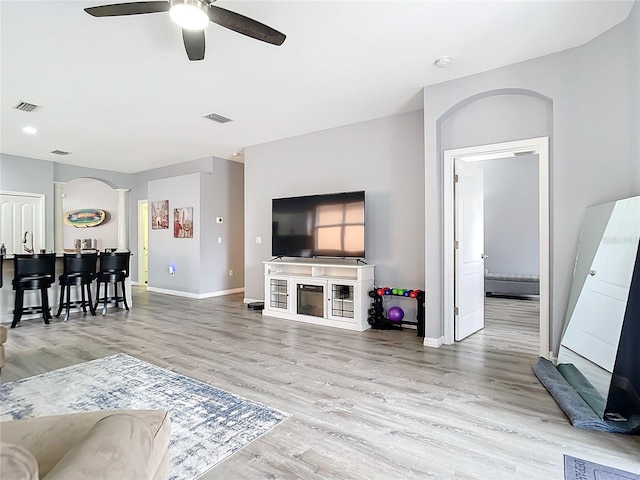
point(189, 14)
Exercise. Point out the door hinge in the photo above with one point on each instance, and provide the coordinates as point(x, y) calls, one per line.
point(456, 179)
point(456, 245)
point(455, 311)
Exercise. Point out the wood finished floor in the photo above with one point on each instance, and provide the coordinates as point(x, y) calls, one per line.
point(371, 405)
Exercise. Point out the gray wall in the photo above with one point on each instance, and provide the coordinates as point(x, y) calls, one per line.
point(221, 195)
point(589, 92)
point(384, 157)
point(511, 238)
point(66, 173)
point(90, 193)
point(181, 253)
point(139, 192)
point(216, 187)
point(19, 174)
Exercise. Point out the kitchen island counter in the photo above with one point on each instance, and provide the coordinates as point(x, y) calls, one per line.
point(7, 294)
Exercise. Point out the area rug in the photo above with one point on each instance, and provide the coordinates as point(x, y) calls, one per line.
point(578, 469)
point(207, 424)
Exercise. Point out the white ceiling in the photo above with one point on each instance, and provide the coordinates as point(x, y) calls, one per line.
point(120, 93)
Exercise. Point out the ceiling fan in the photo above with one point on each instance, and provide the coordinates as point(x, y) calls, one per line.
point(193, 16)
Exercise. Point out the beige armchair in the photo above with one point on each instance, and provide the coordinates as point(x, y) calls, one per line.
point(103, 445)
point(3, 338)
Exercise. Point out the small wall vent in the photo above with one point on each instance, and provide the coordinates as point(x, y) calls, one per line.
point(26, 106)
point(60, 152)
point(217, 118)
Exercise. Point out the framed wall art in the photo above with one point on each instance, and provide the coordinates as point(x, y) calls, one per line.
point(183, 222)
point(160, 215)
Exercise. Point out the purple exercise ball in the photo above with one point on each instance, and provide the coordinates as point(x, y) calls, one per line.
point(396, 314)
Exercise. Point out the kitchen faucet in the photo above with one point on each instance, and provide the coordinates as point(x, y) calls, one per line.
point(24, 241)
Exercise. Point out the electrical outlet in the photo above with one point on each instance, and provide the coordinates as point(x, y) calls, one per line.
point(171, 270)
point(219, 239)
point(219, 219)
point(258, 240)
point(231, 273)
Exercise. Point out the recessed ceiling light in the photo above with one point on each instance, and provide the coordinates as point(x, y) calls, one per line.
point(30, 130)
point(443, 62)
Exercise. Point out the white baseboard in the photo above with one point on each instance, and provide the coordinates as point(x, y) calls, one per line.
point(197, 296)
point(252, 300)
point(433, 342)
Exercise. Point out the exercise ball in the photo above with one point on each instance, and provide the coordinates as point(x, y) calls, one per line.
point(396, 314)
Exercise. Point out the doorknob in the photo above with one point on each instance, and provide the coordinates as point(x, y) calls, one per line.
point(592, 272)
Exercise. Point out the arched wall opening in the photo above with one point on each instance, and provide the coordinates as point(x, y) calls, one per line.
point(488, 117)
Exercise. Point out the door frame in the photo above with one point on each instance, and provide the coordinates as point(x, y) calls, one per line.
point(539, 146)
point(141, 241)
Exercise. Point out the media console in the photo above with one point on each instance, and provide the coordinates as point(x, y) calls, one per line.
point(329, 294)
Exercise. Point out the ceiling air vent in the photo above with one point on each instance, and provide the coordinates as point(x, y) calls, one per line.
point(26, 106)
point(60, 152)
point(217, 118)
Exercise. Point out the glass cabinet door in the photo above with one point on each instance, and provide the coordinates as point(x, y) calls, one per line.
point(342, 301)
point(279, 293)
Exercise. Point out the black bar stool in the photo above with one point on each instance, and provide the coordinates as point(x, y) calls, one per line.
point(33, 272)
point(79, 269)
point(114, 268)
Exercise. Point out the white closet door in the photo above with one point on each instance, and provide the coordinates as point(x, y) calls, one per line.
point(21, 212)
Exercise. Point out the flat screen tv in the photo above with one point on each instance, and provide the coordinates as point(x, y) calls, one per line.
point(329, 225)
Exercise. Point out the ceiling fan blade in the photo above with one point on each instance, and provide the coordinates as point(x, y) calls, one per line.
point(133, 8)
point(193, 43)
point(245, 25)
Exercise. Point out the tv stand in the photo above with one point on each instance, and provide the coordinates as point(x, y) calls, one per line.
point(329, 294)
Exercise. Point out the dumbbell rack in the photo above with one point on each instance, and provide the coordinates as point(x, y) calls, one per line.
point(379, 322)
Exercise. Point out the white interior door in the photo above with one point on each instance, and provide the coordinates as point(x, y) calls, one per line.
point(469, 254)
point(594, 328)
point(20, 213)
